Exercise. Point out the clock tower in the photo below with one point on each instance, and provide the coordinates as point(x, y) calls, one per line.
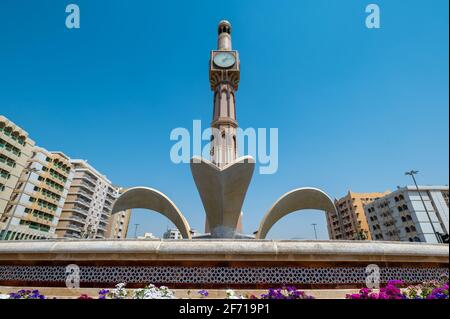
point(224, 76)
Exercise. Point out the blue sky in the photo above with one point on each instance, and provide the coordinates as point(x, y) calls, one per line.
point(355, 107)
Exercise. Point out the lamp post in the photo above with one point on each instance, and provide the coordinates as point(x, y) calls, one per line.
point(412, 173)
point(135, 230)
point(315, 230)
point(8, 224)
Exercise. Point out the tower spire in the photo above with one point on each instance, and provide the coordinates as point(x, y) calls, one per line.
point(224, 76)
point(224, 39)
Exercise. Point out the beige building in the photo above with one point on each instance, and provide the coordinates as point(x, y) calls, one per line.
point(352, 223)
point(38, 198)
point(87, 210)
point(118, 225)
point(15, 150)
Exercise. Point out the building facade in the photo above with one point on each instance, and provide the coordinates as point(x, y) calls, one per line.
point(401, 215)
point(118, 225)
point(172, 233)
point(15, 151)
point(38, 198)
point(87, 210)
point(351, 223)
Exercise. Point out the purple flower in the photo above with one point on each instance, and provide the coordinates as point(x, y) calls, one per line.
point(203, 293)
point(285, 293)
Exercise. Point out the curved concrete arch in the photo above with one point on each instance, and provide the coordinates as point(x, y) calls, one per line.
point(298, 199)
point(148, 198)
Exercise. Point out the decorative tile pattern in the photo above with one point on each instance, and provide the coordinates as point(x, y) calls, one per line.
point(218, 275)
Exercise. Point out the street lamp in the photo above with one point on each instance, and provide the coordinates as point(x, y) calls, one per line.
point(412, 173)
point(8, 224)
point(136, 229)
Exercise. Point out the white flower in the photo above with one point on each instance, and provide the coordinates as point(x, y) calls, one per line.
point(153, 292)
point(4, 296)
point(120, 292)
point(231, 294)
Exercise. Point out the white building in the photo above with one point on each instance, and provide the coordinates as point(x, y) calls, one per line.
point(87, 209)
point(147, 236)
point(401, 215)
point(172, 233)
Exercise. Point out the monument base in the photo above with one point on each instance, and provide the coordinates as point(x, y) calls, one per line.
point(219, 264)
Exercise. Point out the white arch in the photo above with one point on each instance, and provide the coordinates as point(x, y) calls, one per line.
point(148, 198)
point(298, 199)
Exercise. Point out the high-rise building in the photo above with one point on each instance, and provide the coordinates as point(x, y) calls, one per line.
point(15, 150)
point(39, 195)
point(88, 206)
point(118, 225)
point(401, 215)
point(119, 222)
point(351, 223)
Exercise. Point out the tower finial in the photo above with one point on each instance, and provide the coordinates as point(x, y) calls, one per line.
point(224, 31)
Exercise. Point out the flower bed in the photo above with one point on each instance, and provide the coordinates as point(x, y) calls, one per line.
point(393, 290)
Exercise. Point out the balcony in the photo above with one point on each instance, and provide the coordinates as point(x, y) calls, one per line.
point(13, 142)
point(71, 227)
point(82, 202)
point(104, 220)
point(77, 210)
point(105, 215)
point(108, 202)
point(75, 219)
point(39, 220)
point(84, 184)
point(71, 235)
point(86, 195)
point(89, 178)
point(60, 171)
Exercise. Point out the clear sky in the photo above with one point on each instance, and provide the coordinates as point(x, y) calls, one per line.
point(355, 107)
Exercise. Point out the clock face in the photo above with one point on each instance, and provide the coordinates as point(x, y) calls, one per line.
point(224, 60)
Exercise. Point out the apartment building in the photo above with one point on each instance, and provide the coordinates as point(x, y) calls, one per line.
point(401, 215)
point(172, 233)
point(88, 207)
point(15, 150)
point(38, 198)
point(351, 223)
point(118, 225)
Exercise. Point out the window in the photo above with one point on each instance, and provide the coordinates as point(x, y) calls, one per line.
point(4, 174)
